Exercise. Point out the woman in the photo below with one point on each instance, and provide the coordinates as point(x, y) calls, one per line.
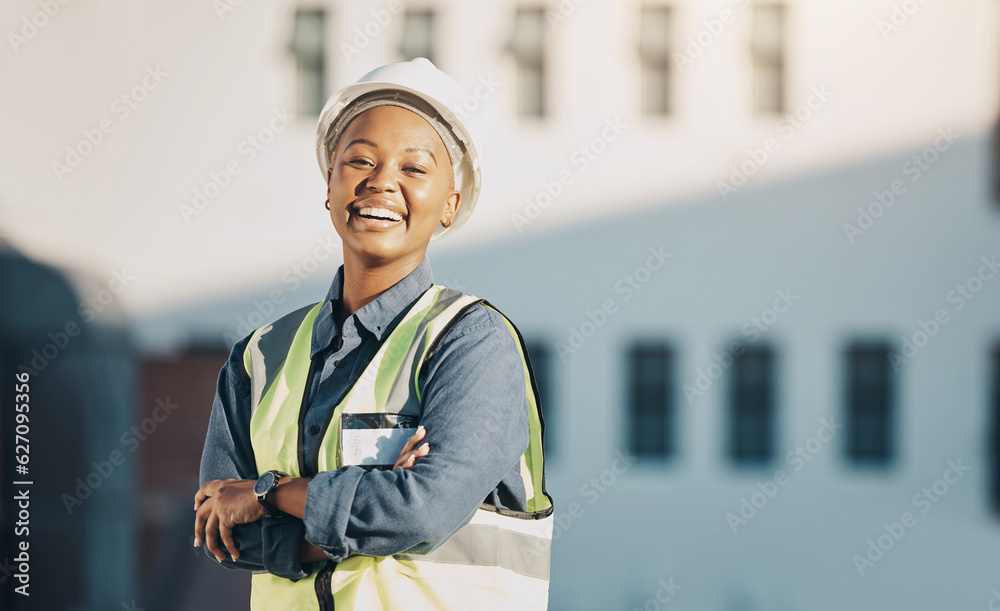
point(383, 448)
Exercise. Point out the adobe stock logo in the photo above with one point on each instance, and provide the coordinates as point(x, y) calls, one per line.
point(900, 16)
point(249, 148)
point(707, 376)
point(712, 30)
point(914, 168)
point(30, 27)
point(894, 532)
point(963, 293)
point(580, 159)
point(796, 458)
point(740, 173)
point(628, 286)
point(664, 594)
point(372, 29)
point(993, 604)
point(86, 485)
point(93, 137)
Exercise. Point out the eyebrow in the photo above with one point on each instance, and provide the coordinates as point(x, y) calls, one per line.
point(419, 149)
point(409, 149)
point(360, 141)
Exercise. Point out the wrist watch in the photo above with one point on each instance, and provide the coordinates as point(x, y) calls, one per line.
point(264, 487)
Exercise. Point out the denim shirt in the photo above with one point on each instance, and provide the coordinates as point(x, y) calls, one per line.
point(474, 411)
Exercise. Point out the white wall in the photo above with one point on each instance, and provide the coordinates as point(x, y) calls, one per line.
point(226, 76)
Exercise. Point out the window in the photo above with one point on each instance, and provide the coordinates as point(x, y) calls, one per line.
point(767, 50)
point(869, 403)
point(654, 56)
point(309, 48)
point(996, 162)
point(527, 45)
point(541, 364)
point(418, 34)
point(650, 401)
point(751, 406)
point(995, 442)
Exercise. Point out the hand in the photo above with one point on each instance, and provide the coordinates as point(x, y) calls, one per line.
point(221, 504)
point(408, 456)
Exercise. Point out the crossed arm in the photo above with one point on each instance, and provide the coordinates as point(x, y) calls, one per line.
point(475, 419)
point(221, 504)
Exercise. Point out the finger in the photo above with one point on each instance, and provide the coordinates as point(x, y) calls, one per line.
point(411, 457)
point(226, 532)
point(420, 452)
point(199, 525)
point(205, 492)
point(408, 447)
point(416, 437)
point(212, 537)
point(199, 501)
point(405, 461)
point(200, 496)
point(413, 440)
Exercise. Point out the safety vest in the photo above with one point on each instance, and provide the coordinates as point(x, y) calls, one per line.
point(499, 560)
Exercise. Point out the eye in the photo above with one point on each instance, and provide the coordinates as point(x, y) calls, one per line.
point(414, 169)
point(359, 161)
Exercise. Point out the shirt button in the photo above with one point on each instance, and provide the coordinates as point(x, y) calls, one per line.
point(314, 429)
point(338, 363)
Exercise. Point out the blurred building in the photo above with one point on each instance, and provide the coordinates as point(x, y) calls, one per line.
point(753, 246)
point(68, 537)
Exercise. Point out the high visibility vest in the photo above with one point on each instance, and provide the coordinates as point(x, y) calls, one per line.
point(499, 560)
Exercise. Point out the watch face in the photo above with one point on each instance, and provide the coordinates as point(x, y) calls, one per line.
point(264, 482)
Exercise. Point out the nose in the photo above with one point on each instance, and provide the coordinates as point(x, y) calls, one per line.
point(381, 179)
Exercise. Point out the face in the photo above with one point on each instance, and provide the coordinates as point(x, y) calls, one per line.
point(390, 185)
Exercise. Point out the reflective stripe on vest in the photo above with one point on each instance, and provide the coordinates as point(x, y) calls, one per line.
point(499, 560)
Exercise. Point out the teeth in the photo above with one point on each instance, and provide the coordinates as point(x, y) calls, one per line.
point(380, 213)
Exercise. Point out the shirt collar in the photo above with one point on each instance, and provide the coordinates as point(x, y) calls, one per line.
point(378, 314)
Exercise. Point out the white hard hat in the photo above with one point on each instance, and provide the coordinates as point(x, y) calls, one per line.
point(418, 86)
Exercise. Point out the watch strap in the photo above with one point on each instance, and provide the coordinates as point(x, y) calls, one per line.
point(272, 511)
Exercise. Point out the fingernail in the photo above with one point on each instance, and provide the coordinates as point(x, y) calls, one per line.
point(420, 428)
point(423, 445)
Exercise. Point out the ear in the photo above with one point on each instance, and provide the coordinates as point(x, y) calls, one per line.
point(451, 207)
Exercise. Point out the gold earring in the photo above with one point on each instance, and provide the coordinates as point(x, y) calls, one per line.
point(446, 224)
point(327, 204)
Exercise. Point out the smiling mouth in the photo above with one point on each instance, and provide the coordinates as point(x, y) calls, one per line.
point(379, 214)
